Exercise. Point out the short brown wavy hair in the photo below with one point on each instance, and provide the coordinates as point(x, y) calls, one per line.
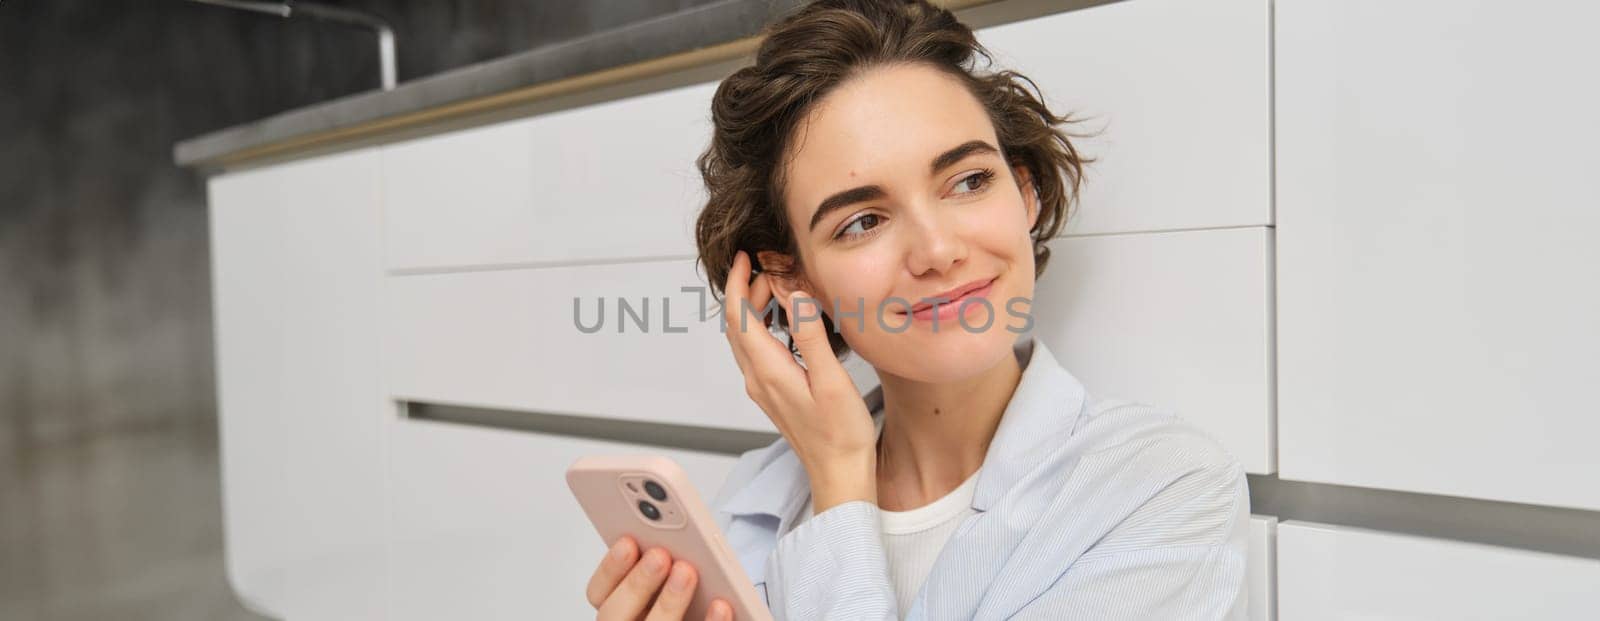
point(805, 56)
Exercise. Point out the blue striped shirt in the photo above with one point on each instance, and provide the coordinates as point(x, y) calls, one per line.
point(1087, 508)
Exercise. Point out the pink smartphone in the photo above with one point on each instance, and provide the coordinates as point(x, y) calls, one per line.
point(650, 498)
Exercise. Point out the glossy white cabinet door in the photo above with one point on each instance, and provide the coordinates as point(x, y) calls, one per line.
point(295, 255)
point(1179, 91)
point(509, 339)
point(1263, 567)
point(1177, 320)
point(483, 526)
point(1336, 572)
point(607, 181)
point(248, 295)
point(1437, 267)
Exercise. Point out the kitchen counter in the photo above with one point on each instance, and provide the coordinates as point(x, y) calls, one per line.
point(691, 38)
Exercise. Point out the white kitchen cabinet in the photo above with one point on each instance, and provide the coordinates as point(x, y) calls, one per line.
point(509, 339)
point(611, 181)
point(1179, 320)
point(1179, 91)
point(482, 525)
point(1437, 271)
point(1338, 572)
point(295, 259)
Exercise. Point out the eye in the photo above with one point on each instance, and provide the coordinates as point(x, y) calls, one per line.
point(975, 182)
point(863, 222)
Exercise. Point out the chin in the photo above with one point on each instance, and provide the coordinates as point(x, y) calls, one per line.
point(919, 354)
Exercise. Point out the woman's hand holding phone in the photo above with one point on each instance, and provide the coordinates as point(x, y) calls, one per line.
point(817, 407)
point(626, 586)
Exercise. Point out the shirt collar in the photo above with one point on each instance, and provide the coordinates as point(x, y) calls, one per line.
point(1042, 413)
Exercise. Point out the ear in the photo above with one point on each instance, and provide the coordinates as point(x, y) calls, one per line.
point(772, 261)
point(1030, 194)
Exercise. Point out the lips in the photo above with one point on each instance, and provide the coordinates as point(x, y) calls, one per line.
point(952, 296)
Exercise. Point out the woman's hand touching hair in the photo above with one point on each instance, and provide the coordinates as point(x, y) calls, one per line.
point(817, 407)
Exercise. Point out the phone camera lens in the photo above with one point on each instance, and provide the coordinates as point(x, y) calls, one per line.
point(655, 490)
point(649, 510)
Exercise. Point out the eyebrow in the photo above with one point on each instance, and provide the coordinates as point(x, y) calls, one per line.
point(870, 192)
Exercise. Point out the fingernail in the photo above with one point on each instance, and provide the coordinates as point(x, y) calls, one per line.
point(619, 550)
point(680, 578)
point(720, 613)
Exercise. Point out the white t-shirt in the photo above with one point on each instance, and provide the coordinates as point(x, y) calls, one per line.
point(912, 539)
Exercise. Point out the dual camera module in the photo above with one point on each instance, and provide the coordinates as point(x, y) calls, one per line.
point(657, 492)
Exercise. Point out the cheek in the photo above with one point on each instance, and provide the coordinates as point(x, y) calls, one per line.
point(862, 277)
point(1002, 224)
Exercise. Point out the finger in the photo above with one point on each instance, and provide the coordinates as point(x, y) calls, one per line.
point(719, 611)
point(619, 559)
point(767, 360)
point(737, 291)
point(734, 293)
point(674, 599)
point(823, 370)
point(749, 309)
point(760, 296)
point(633, 595)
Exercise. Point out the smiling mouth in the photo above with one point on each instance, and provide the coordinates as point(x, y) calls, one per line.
point(949, 306)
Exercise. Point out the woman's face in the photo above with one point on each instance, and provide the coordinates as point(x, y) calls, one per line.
point(896, 189)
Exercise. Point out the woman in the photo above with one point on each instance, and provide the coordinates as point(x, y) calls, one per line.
point(872, 171)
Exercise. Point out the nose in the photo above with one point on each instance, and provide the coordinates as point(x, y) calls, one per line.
point(936, 243)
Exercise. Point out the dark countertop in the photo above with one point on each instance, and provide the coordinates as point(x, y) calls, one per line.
point(472, 87)
point(669, 34)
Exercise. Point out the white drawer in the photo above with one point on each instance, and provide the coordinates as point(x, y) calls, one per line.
point(1336, 572)
point(1180, 91)
point(507, 339)
point(1437, 271)
point(608, 181)
point(482, 525)
point(1177, 320)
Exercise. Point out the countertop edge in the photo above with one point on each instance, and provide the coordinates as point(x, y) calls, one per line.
point(693, 38)
point(684, 32)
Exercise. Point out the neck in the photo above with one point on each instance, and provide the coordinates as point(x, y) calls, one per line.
point(936, 435)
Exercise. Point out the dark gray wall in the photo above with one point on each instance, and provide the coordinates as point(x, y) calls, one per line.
point(109, 506)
